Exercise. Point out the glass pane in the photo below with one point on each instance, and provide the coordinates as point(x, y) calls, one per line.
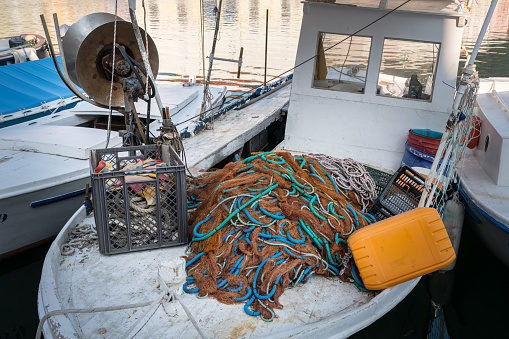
point(408, 69)
point(342, 62)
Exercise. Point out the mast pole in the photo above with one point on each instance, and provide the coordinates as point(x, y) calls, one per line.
point(211, 60)
point(266, 47)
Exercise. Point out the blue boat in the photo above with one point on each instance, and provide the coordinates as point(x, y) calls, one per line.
point(31, 90)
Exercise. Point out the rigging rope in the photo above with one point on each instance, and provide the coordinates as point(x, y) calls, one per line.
point(165, 296)
point(460, 136)
point(146, 42)
point(110, 111)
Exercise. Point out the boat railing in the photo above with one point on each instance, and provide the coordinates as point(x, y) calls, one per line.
point(498, 99)
point(28, 45)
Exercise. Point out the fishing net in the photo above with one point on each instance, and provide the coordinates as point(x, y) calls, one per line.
point(271, 221)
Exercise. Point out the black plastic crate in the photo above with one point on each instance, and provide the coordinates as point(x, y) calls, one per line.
point(402, 194)
point(381, 179)
point(141, 208)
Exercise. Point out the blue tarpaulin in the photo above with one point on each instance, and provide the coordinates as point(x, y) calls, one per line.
point(30, 84)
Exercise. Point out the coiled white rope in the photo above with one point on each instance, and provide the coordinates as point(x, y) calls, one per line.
point(140, 205)
point(350, 175)
point(82, 236)
point(84, 310)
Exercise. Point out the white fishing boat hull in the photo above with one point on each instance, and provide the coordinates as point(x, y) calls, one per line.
point(31, 218)
point(45, 168)
point(338, 312)
point(325, 308)
point(494, 233)
point(484, 177)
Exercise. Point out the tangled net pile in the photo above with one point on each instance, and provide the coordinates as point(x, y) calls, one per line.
point(268, 222)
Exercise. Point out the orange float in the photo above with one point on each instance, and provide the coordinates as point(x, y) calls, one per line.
point(475, 132)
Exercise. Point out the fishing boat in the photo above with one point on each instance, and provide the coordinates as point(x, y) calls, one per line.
point(347, 100)
point(484, 178)
point(32, 90)
point(49, 130)
point(22, 48)
point(45, 166)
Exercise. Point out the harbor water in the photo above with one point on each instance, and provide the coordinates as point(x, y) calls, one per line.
point(478, 306)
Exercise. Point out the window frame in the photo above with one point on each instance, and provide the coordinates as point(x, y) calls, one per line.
point(435, 68)
point(348, 36)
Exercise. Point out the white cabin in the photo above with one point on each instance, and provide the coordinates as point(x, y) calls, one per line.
point(492, 152)
point(358, 106)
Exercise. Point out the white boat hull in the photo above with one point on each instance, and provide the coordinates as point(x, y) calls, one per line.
point(33, 217)
point(322, 307)
point(492, 232)
point(484, 175)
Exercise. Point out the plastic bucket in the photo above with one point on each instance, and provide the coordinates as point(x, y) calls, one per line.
point(414, 157)
point(424, 140)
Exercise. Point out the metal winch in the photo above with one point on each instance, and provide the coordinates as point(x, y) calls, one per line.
point(88, 48)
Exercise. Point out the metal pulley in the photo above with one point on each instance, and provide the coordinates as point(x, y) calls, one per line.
point(88, 47)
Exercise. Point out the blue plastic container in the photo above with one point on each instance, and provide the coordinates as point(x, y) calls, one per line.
point(416, 158)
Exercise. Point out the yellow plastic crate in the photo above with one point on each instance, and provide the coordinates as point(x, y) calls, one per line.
point(401, 248)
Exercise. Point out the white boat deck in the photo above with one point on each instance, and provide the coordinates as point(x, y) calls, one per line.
point(176, 97)
point(22, 171)
point(492, 198)
point(66, 141)
point(231, 131)
point(323, 307)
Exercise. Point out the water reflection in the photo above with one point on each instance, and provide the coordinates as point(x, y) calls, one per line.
point(230, 12)
point(492, 59)
point(175, 27)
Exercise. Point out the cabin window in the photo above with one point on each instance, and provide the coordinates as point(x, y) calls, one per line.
point(342, 62)
point(408, 69)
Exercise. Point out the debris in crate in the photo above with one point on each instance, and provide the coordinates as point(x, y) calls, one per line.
point(140, 200)
point(270, 222)
point(147, 193)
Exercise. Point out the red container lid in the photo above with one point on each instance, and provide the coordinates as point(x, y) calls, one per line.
point(424, 140)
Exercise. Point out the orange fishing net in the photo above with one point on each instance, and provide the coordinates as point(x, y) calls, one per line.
point(267, 222)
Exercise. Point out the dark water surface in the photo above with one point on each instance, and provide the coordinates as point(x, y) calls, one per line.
point(480, 295)
point(19, 281)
